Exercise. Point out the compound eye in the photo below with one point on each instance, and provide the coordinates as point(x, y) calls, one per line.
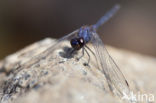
point(75, 44)
point(81, 42)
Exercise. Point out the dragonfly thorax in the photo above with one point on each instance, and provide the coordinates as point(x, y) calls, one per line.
point(85, 33)
point(77, 43)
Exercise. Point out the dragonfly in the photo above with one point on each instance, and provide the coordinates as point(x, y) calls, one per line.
point(79, 39)
point(87, 34)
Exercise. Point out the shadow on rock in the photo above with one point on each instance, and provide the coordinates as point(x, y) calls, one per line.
point(68, 52)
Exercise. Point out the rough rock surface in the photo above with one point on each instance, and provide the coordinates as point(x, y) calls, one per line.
point(67, 80)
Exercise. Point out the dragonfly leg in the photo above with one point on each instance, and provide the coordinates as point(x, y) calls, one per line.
point(82, 54)
point(92, 53)
point(86, 64)
point(90, 50)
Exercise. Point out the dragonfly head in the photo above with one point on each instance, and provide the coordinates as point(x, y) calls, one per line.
point(84, 36)
point(77, 43)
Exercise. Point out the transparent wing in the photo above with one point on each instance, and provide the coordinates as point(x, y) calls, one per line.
point(59, 44)
point(116, 80)
point(64, 41)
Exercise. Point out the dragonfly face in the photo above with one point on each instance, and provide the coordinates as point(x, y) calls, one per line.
point(77, 43)
point(84, 36)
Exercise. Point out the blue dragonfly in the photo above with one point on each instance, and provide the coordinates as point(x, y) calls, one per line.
point(87, 34)
point(79, 39)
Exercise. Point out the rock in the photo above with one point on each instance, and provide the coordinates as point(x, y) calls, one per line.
point(36, 74)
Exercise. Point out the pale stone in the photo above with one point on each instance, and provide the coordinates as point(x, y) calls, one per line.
point(29, 77)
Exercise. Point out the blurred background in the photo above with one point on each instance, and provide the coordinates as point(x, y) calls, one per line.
point(23, 22)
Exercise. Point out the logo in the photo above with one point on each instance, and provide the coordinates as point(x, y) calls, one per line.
point(138, 97)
